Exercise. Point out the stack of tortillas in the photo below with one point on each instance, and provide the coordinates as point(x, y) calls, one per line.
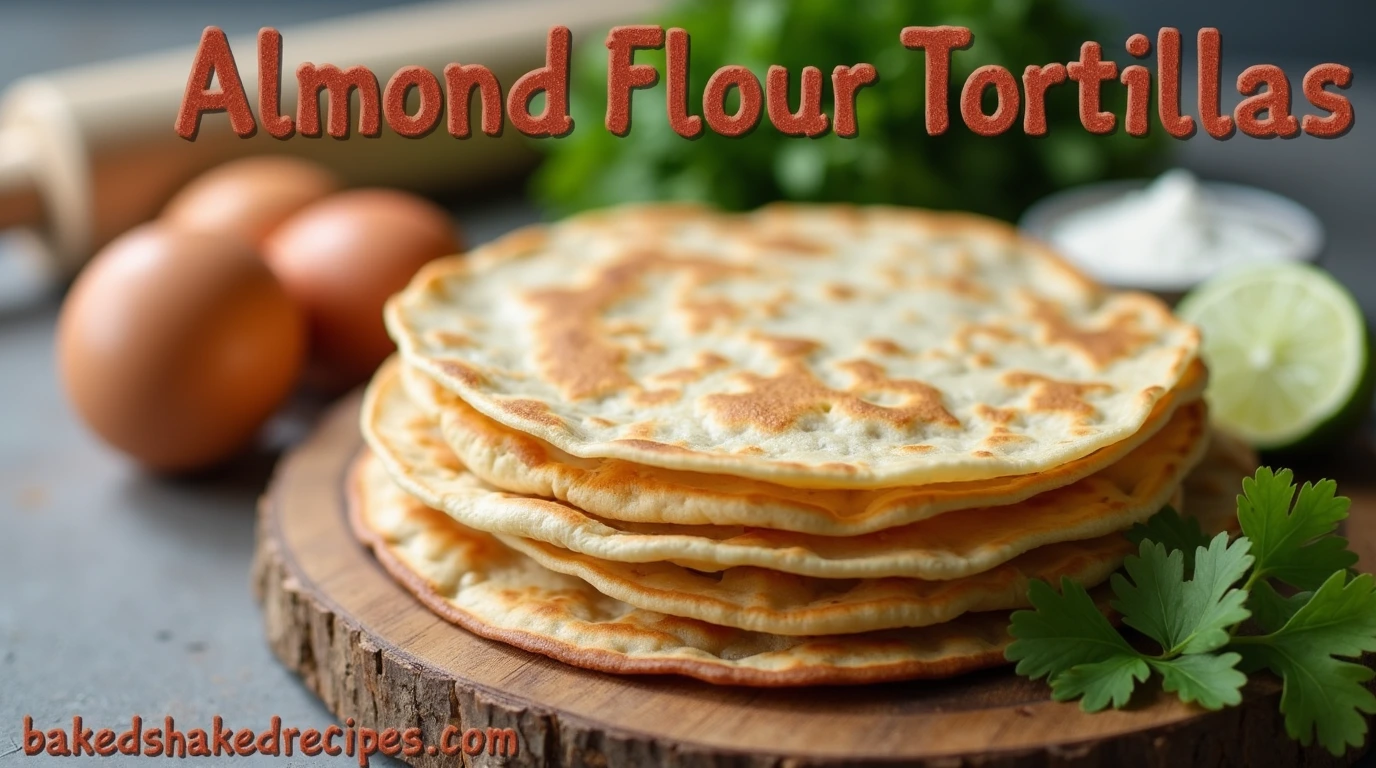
point(804, 445)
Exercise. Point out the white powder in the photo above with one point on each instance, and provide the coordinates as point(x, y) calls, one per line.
point(1174, 232)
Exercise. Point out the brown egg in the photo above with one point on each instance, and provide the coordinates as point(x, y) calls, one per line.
point(341, 258)
point(175, 346)
point(249, 198)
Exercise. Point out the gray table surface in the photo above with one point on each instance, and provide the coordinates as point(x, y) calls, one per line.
point(127, 594)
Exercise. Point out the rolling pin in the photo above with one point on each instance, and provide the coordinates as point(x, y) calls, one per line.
point(86, 153)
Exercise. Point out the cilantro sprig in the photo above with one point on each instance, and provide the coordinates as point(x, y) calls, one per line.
point(1281, 597)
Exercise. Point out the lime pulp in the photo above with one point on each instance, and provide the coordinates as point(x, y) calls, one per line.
point(1287, 351)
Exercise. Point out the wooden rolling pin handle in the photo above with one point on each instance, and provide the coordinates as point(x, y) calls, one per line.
point(21, 204)
point(88, 152)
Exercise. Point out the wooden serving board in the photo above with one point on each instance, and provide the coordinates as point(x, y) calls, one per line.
point(375, 654)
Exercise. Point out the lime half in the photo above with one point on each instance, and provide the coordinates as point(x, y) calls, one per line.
point(1287, 351)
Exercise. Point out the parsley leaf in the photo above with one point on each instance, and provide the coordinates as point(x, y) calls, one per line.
point(1175, 531)
point(1270, 609)
point(1211, 680)
point(1296, 547)
point(1150, 594)
point(1323, 695)
point(1182, 590)
point(1066, 629)
point(1211, 605)
point(1101, 682)
point(1184, 616)
point(1069, 641)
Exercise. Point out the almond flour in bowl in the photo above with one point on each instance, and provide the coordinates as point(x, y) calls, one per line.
point(1170, 234)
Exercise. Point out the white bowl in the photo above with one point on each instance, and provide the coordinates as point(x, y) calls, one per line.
point(1299, 226)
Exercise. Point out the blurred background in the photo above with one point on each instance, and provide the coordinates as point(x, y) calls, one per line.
point(892, 162)
point(39, 35)
point(87, 531)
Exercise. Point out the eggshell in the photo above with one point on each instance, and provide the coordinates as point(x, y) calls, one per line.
point(175, 346)
point(341, 258)
point(249, 198)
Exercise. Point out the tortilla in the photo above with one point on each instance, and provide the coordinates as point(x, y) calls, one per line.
point(620, 490)
point(762, 600)
point(472, 580)
point(810, 346)
point(949, 546)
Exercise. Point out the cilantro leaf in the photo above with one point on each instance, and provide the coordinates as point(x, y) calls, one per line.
point(1296, 547)
point(1322, 695)
point(1174, 531)
point(1270, 609)
point(1182, 590)
point(1148, 600)
point(1064, 629)
point(1211, 606)
point(1184, 616)
point(1212, 680)
point(1101, 682)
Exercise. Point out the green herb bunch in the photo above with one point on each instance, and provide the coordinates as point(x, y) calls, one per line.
point(1280, 597)
point(893, 160)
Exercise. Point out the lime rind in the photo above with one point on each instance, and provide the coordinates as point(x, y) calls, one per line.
point(1287, 350)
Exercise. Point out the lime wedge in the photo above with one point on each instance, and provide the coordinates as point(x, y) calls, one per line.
point(1287, 351)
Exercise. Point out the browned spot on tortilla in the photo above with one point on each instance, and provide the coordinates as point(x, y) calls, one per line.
point(623, 327)
point(1118, 338)
point(651, 397)
point(711, 361)
point(787, 347)
point(839, 291)
point(836, 467)
point(916, 448)
point(469, 376)
point(572, 348)
point(641, 444)
point(1055, 395)
point(599, 422)
point(422, 433)
point(966, 335)
point(774, 305)
point(963, 260)
point(982, 360)
point(884, 347)
point(984, 454)
point(995, 415)
point(963, 286)
point(704, 314)
point(531, 411)
point(793, 244)
point(749, 450)
point(775, 403)
point(524, 240)
point(449, 339)
point(705, 363)
point(1002, 436)
point(896, 275)
point(641, 430)
point(646, 344)
point(920, 396)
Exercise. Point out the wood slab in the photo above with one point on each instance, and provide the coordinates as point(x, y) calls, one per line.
point(373, 653)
